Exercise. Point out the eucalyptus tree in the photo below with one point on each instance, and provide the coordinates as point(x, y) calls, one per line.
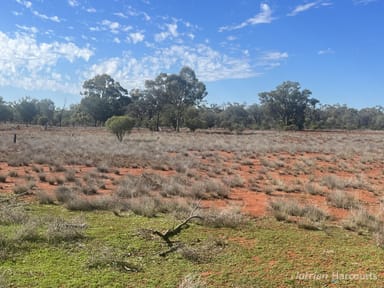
point(103, 97)
point(288, 104)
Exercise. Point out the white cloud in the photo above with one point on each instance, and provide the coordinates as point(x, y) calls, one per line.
point(363, 2)
point(172, 28)
point(171, 32)
point(304, 7)
point(264, 17)
point(209, 65)
point(272, 59)
point(26, 4)
point(326, 51)
point(136, 37)
point(112, 26)
point(45, 17)
point(91, 10)
point(32, 65)
point(121, 15)
point(116, 40)
point(31, 29)
point(73, 3)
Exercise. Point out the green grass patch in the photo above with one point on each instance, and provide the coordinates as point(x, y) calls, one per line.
point(119, 252)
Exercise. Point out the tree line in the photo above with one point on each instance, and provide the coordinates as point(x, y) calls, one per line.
point(177, 100)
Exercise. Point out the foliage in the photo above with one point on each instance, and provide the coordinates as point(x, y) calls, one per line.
point(288, 104)
point(175, 100)
point(120, 125)
point(103, 98)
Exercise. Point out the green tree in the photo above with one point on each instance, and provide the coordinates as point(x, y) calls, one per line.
point(234, 117)
point(120, 125)
point(194, 119)
point(46, 109)
point(287, 104)
point(5, 111)
point(184, 90)
point(26, 110)
point(154, 98)
point(103, 98)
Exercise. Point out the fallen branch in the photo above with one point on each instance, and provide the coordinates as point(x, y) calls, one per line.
point(173, 232)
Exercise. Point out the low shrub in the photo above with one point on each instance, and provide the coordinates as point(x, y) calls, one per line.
point(144, 206)
point(45, 197)
point(231, 218)
point(342, 199)
point(282, 209)
point(192, 281)
point(64, 194)
point(60, 229)
point(361, 219)
point(10, 215)
point(3, 178)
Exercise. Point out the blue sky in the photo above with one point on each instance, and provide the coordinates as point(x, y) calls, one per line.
point(238, 48)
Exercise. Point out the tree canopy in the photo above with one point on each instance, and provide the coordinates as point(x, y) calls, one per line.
point(288, 104)
point(103, 97)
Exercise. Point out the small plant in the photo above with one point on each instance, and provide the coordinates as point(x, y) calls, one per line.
point(45, 197)
point(13, 174)
point(64, 194)
point(120, 125)
point(29, 231)
point(51, 180)
point(59, 181)
point(342, 199)
point(282, 209)
point(10, 215)
point(112, 258)
point(3, 178)
point(70, 175)
point(43, 177)
point(231, 218)
point(144, 206)
point(314, 189)
point(235, 181)
point(192, 281)
point(20, 190)
point(334, 182)
point(60, 229)
point(361, 219)
point(379, 236)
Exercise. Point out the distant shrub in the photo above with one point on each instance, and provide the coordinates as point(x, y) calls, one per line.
point(314, 189)
point(20, 190)
point(29, 231)
point(44, 197)
point(3, 178)
point(282, 209)
point(342, 199)
point(192, 281)
point(10, 215)
point(120, 125)
point(64, 194)
point(135, 186)
point(209, 189)
point(334, 182)
point(361, 219)
point(144, 206)
point(60, 229)
point(231, 218)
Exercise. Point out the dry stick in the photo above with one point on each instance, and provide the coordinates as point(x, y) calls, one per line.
point(172, 232)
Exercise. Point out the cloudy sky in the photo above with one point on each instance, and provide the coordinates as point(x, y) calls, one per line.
point(239, 48)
